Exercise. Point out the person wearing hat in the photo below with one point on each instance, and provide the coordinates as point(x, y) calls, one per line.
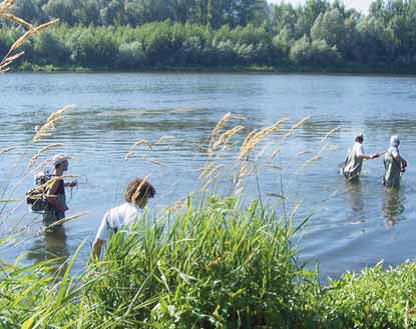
point(394, 164)
point(354, 161)
point(56, 193)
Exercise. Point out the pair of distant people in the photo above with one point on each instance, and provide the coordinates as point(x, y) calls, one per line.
point(394, 163)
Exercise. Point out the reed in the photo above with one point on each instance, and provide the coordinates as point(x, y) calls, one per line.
point(213, 143)
point(256, 137)
point(8, 149)
point(50, 125)
point(44, 149)
point(226, 136)
point(296, 126)
point(65, 220)
point(329, 134)
point(13, 53)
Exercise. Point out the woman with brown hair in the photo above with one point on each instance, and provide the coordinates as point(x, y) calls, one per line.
point(136, 196)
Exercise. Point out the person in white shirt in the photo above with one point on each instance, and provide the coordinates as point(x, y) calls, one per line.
point(137, 194)
point(354, 161)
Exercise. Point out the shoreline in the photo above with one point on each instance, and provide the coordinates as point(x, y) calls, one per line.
point(272, 70)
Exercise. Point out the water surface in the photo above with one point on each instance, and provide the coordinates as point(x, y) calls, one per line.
point(351, 226)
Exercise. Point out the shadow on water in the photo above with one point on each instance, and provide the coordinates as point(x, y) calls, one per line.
point(393, 206)
point(51, 245)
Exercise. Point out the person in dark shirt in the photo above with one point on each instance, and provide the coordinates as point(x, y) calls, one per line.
point(56, 193)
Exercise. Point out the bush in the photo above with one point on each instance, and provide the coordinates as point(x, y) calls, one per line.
point(316, 52)
point(372, 299)
point(130, 55)
point(50, 49)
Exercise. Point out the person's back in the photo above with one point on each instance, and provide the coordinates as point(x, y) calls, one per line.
point(124, 215)
point(354, 161)
point(393, 164)
point(136, 196)
point(392, 167)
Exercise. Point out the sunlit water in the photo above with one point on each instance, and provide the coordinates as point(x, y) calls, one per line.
point(350, 226)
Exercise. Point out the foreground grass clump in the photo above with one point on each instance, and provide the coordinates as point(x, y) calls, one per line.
point(375, 298)
point(212, 267)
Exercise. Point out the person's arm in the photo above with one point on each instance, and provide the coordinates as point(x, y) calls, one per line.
point(361, 154)
point(96, 249)
point(366, 156)
point(52, 197)
point(100, 237)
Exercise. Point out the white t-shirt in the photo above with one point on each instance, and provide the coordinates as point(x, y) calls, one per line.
point(122, 216)
point(358, 149)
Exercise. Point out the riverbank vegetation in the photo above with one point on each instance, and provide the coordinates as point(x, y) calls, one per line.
point(209, 34)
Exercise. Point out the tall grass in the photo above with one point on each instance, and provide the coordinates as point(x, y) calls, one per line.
point(213, 266)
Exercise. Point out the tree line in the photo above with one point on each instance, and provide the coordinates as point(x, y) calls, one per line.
point(139, 34)
point(138, 12)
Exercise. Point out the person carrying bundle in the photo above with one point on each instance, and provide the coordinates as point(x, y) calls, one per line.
point(394, 164)
point(56, 192)
point(351, 168)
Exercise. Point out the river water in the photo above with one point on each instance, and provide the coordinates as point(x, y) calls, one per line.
point(349, 226)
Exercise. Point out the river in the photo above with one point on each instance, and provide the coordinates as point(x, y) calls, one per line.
point(349, 228)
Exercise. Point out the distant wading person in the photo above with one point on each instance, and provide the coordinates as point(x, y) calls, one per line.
point(354, 161)
point(394, 164)
point(137, 194)
point(56, 194)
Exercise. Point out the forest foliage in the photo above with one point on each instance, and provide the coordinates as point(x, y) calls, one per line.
point(138, 34)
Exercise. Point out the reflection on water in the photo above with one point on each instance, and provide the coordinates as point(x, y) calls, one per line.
point(393, 206)
point(48, 246)
point(355, 198)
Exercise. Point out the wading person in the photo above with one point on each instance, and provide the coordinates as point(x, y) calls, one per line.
point(136, 196)
point(56, 193)
point(394, 164)
point(354, 161)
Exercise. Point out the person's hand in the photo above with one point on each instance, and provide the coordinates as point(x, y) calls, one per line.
point(72, 184)
point(374, 156)
point(403, 166)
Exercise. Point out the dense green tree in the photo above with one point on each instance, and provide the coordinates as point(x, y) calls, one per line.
point(132, 34)
point(316, 52)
